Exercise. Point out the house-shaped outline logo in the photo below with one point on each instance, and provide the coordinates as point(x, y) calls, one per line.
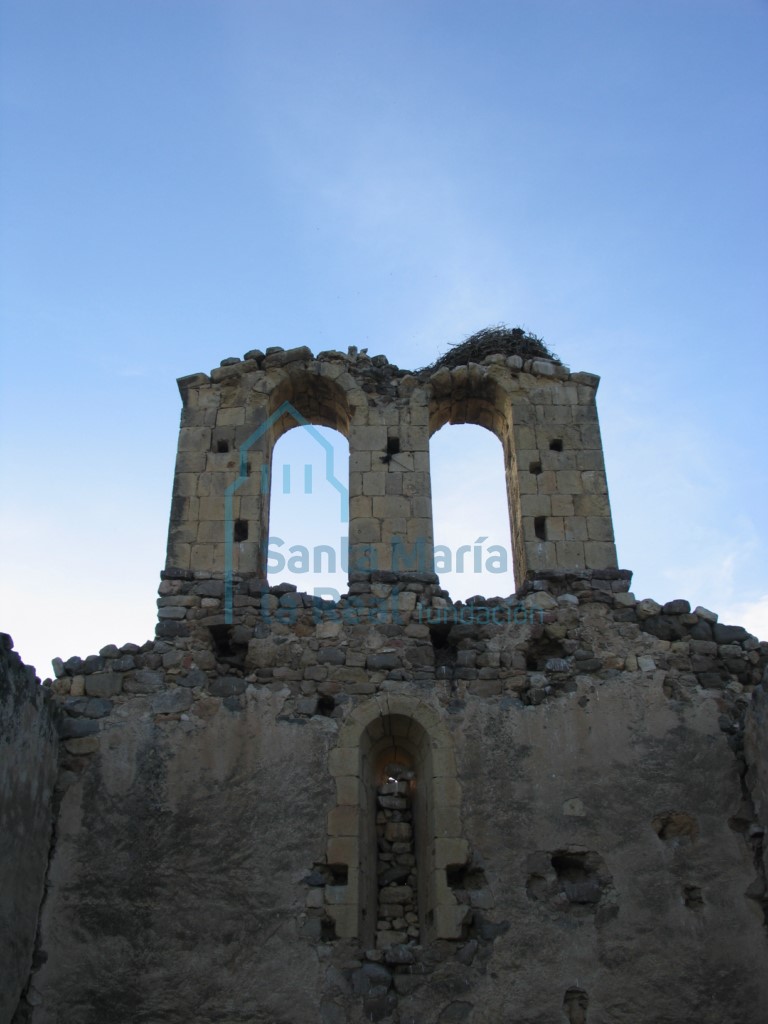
point(286, 409)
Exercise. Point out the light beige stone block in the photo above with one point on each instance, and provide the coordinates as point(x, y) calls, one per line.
point(594, 482)
point(547, 482)
point(374, 483)
point(570, 554)
point(390, 506)
point(575, 528)
point(179, 556)
point(554, 528)
point(562, 505)
point(600, 555)
point(342, 850)
point(348, 791)
point(207, 557)
point(344, 821)
point(600, 528)
point(360, 507)
point(447, 821)
point(569, 481)
point(212, 509)
point(536, 505)
point(453, 851)
point(368, 439)
point(540, 554)
point(591, 505)
point(194, 439)
point(591, 459)
point(234, 417)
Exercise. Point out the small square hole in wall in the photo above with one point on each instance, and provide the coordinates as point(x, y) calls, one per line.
point(540, 527)
point(535, 468)
point(556, 445)
point(241, 530)
point(339, 874)
point(222, 446)
point(393, 445)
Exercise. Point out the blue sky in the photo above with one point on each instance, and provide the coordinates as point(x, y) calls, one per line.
point(183, 180)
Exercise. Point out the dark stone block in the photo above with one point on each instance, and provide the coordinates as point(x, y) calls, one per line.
point(711, 680)
point(177, 574)
point(87, 707)
point(75, 728)
point(399, 954)
point(678, 607)
point(729, 634)
point(589, 665)
point(377, 974)
point(103, 684)
point(700, 631)
point(423, 655)
point(665, 627)
point(625, 615)
point(331, 656)
point(124, 664)
point(209, 588)
point(226, 686)
point(378, 1003)
point(488, 930)
point(193, 678)
point(171, 629)
point(144, 681)
point(283, 588)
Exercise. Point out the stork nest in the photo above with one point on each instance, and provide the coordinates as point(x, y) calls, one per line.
point(508, 341)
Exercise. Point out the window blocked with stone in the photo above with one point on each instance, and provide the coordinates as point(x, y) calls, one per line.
point(395, 829)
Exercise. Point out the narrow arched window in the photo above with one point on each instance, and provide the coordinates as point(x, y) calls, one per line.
point(309, 510)
point(471, 512)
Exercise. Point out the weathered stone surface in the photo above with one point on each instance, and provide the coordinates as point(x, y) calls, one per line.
point(72, 728)
point(171, 701)
point(28, 748)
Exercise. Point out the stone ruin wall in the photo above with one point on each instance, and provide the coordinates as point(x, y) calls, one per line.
point(28, 768)
point(586, 772)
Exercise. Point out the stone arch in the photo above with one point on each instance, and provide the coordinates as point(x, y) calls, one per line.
point(470, 394)
point(483, 396)
point(319, 399)
point(301, 394)
point(400, 726)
